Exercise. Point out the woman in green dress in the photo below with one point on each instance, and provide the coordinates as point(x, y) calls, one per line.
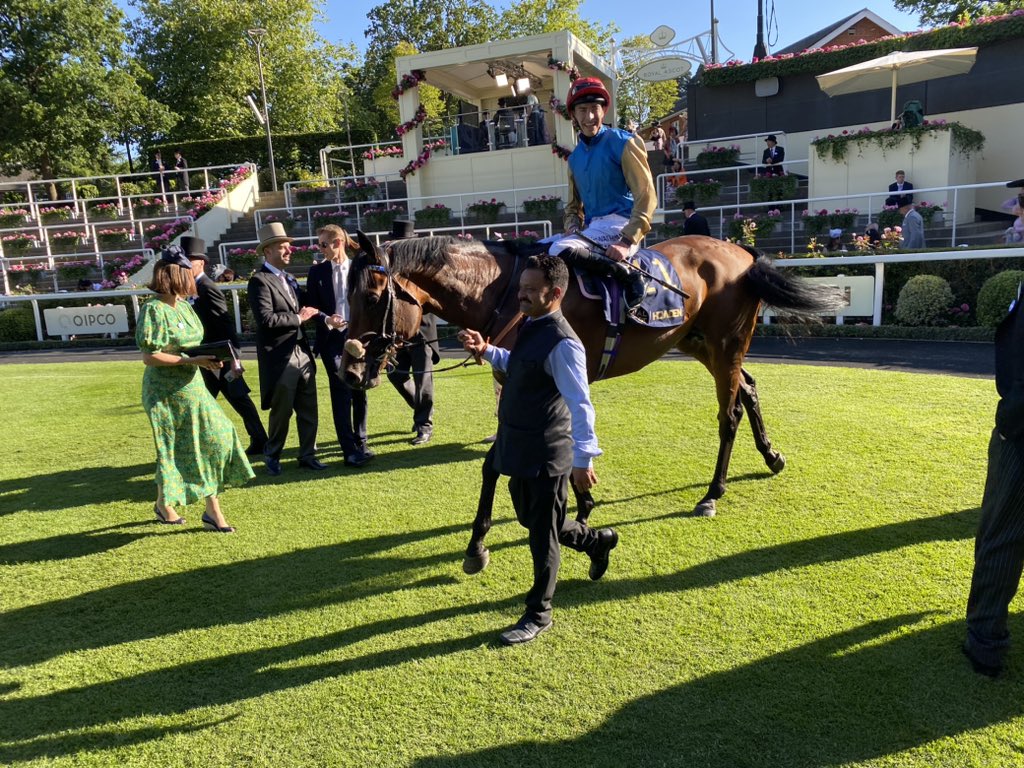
point(197, 449)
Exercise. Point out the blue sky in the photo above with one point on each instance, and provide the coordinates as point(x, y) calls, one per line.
point(346, 19)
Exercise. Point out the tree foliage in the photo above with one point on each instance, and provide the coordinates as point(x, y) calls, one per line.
point(642, 101)
point(203, 63)
point(935, 12)
point(66, 87)
point(536, 17)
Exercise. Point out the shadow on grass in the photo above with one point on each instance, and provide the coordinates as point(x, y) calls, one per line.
point(878, 689)
point(71, 545)
point(49, 491)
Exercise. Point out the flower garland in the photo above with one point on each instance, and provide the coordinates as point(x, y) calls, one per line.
point(558, 106)
point(410, 80)
point(569, 69)
point(417, 119)
point(562, 152)
point(414, 165)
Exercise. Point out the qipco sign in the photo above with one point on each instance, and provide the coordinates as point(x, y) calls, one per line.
point(69, 321)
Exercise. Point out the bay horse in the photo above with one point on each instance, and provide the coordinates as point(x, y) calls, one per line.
point(473, 284)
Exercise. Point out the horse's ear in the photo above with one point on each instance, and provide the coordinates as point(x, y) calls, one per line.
point(367, 246)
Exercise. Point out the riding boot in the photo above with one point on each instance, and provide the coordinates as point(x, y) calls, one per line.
point(631, 281)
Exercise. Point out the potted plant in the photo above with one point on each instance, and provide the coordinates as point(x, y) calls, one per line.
point(289, 222)
point(310, 194)
point(322, 218)
point(13, 217)
point(303, 255)
point(718, 157)
point(544, 206)
point(773, 187)
point(360, 190)
point(64, 242)
point(104, 211)
point(147, 207)
point(522, 237)
point(842, 219)
point(703, 191)
point(670, 229)
point(19, 242)
point(768, 221)
point(928, 211)
point(113, 237)
point(743, 229)
point(890, 217)
point(485, 211)
point(380, 219)
point(243, 260)
point(436, 215)
point(73, 271)
point(815, 221)
point(54, 214)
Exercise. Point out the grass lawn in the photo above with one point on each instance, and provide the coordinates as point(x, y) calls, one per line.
point(815, 621)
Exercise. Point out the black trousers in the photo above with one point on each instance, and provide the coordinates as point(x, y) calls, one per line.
point(237, 395)
point(295, 391)
point(348, 407)
point(540, 504)
point(998, 551)
point(413, 377)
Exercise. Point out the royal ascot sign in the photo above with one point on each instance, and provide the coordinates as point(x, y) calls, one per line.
point(67, 321)
point(668, 68)
point(662, 36)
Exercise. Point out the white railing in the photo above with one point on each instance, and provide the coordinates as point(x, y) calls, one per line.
point(754, 152)
point(740, 173)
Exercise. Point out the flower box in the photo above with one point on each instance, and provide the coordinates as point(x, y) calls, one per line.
point(702, 192)
point(433, 216)
point(304, 255)
point(74, 271)
point(520, 237)
point(18, 243)
point(147, 208)
point(13, 217)
point(360, 191)
point(310, 195)
point(823, 220)
point(25, 275)
point(243, 260)
point(54, 214)
point(288, 222)
point(484, 211)
point(743, 227)
point(380, 219)
point(338, 217)
point(545, 206)
point(106, 211)
point(718, 157)
point(890, 216)
point(113, 237)
point(767, 188)
point(64, 242)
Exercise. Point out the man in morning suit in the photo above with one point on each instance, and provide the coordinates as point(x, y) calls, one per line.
point(287, 372)
point(999, 545)
point(413, 374)
point(327, 289)
point(695, 224)
point(901, 191)
point(772, 157)
point(218, 324)
point(545, 430)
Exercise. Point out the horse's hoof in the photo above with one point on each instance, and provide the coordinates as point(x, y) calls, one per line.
point(475, 563)
point(704, 508)
point(777, 464)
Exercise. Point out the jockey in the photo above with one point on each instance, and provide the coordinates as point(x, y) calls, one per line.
point(611, 192)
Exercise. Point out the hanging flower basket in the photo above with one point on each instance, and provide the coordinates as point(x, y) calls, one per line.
point(890, 217)
point(243, 260)
point(18, 243)
point(484, 211)
point(433, 216)
point(113, 237)
point(766, 188)
point(360, 190)
point(13, 217)
point(544, 206)
point(25, 274)
point(73, 271)
point(380, 219)
point(54, 214)
point(64, 242)
point(146, 208)
point(718, 157)
point(106, 211)
point(703, 192)
point(304, 255)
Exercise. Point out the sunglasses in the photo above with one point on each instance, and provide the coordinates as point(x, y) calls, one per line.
point(328, 243)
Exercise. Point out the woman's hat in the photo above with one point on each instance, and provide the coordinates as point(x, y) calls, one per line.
point(194, 248)
point(271, 233)
point(835, 233)
point(175, 255)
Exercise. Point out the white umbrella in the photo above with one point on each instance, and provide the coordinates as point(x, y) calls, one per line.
point(898, 68)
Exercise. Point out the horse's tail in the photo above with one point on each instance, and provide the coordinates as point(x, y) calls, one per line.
point(791, 296)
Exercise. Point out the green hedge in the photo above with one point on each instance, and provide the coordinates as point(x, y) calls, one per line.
point(995, 296)
point(919, 333)
point(17, 324)
point(291, 150)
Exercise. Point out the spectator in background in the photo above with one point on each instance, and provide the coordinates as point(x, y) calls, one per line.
point(873, 234)
point(835, 241)
point(900, 191)
point(181, 166)
point(657, 137)
point(913, 228)
point(695, 224)
point(157, 167)
point(677, 175)
point(772, 157)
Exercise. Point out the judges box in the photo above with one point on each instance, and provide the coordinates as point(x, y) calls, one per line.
point(858, 296)
point(68, 321)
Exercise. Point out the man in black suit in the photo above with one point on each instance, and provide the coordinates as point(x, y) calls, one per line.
point(999, 545)
point(901, 189)
point(413, 374)
point(212, 307)
point(287, 372)
point(545, 430)
point(327, 289)
point(695, 224)
point(772, 157)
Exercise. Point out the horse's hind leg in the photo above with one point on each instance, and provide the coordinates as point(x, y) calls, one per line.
point(477, 556)
point(726, 371)
point(751, 402)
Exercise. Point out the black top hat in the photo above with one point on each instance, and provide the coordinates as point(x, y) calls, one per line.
point(689, 205)
point(1016, 183)
point(771, 137)
point(194, 248)
point(402, 229)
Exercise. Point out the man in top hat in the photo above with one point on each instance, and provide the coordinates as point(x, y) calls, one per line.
point(772, 157)
point(287, 372)
point(413, 374)
point(327, 288)
point(695, 224)
point(218, 324)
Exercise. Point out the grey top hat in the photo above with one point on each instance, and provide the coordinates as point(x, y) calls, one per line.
point(194, 248)
point(402, 229)
point(271, 233)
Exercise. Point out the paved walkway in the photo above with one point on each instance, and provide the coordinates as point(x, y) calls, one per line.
point(957, 358)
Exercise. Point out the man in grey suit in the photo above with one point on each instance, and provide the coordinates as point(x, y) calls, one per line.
point(913, 228)
point(999, 545)
point(287, 372)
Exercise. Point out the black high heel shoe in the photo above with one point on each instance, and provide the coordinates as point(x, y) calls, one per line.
point(211, 525)
point(161, 516)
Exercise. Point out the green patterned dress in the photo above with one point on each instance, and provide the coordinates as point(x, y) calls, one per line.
point(198, 452)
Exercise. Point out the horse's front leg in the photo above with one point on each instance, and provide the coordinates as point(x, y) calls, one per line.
point(477, 556)
point(774, 460)
point(730, 413)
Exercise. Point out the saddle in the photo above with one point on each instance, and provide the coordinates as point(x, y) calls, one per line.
point(659, 307)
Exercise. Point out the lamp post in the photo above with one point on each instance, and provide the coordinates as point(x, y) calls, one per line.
point(257, 35)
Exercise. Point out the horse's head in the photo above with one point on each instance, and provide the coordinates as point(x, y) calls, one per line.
point(383, 312)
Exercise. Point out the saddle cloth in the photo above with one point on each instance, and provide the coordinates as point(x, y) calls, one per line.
point(660, 308)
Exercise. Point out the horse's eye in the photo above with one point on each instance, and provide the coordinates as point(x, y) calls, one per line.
point(372, 299)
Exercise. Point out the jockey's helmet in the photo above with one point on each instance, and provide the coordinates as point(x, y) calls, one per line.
point(588, 90)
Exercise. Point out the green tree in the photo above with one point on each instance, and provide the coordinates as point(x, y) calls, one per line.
point(935, 12)
point(203, 63)
point(640, 100)
point(536, 17)
point(67, 87)
point(429, 96)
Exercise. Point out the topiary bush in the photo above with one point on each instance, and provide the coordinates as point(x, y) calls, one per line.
point(924, 301)
point(995, 296)
point(17, 324)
